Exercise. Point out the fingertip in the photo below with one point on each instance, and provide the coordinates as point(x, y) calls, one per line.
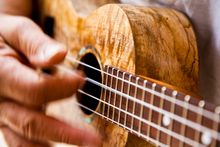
point(54, 53)
point(50, 53)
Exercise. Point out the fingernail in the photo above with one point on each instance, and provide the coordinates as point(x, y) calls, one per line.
point(54, 49)
point(51, 53)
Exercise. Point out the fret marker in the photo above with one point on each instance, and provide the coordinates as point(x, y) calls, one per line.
point(187, 98)
point(145, 82)
point(206, 138)
point(166, 120)
point(154, 85)
point(174, 93)
point(163, 89)
point(201, 103)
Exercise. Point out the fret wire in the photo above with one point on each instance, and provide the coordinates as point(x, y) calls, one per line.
point(155, 142)
point(134, 103)
point(163, 89)
point(114, 99)
point(142, 107)
point(122, 88)
point(208, 114)
point(183, 126)
point(170, 127)
point(150, 110)
point(110, 93)
point(191, 107)
point(104, 97)
point(165, 130)
point(126, 104)
point(177, 118)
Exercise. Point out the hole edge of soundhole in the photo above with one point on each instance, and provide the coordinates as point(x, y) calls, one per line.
point(90, 88)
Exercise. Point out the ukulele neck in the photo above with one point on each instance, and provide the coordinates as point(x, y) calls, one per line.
point(157, 113)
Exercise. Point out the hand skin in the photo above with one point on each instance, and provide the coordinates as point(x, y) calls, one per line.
point(23, 47)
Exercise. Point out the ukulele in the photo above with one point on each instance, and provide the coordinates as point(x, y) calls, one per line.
point(137, 61)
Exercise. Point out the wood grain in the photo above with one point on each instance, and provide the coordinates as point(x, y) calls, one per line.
point(153, 42)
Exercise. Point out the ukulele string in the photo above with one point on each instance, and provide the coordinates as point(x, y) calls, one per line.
point(179, 119)
point(158, 127)
point(193, 108)
point(156, 142)
point(184, 121)
point(187, 122)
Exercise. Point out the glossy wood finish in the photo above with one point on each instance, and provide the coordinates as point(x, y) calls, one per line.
point(153, 42)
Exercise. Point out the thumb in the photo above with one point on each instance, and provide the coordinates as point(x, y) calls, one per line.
point(47, 53)
point(26, 37)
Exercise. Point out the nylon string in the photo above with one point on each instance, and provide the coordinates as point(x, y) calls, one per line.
point(165, 130)
point(182, 120)
point(191, 107)
point(189, 123)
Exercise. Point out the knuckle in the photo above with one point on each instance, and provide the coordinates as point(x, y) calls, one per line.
point(37, 92)
point(66, 139)
point(28, 127)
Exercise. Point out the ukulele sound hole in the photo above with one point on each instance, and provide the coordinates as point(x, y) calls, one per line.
point(91, 90)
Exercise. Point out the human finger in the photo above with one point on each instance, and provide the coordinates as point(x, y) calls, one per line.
point(26, 37)
point(27, 86)
point(14, 140)
point(38, 127)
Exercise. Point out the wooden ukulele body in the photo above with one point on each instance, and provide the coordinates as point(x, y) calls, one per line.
point(153, 42)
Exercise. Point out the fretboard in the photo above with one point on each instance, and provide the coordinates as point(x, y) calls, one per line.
point(157, 113)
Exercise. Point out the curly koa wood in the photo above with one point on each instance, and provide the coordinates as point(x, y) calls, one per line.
point(153, 42)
